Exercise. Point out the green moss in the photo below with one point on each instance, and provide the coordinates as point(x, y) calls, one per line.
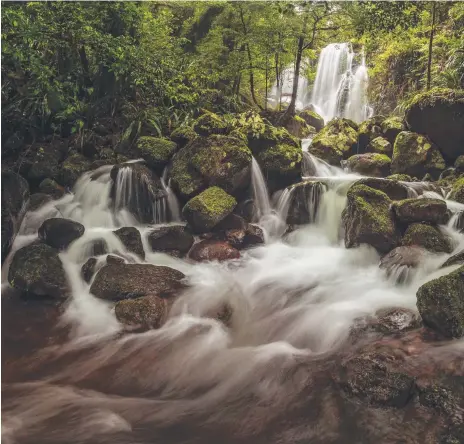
point(428, 237)
point(183, 134)
point(441, 303)
point(312, 118)
point(400, 177)
point(381, 146)
point(281, 158)
point(430, 98)
point(156, 151)
point(210, 123)
point(457, 193)
point(392, 123)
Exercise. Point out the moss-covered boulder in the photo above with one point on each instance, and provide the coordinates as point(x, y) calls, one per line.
point(213, 250)
point(298, 127)
point(457, 193)
point(400, 177)
point(370, 164)
point(145, 312)
point(380, 145)
point(391, 127)
point(172, 239)
point(41, 162)
point(433, 211)
point(428, 237)
point(211, 161)
point(441, 304)
point(15, 194)
point(335, 142)
point(155, 151)
point(37, 271)
point(459, 164)
point(131, 239)
point(207, 209)
point(415, 155)
point(312, 119)
point(368, 219)
point(439, 113)
point(393, 189)
point(129, 281)
point(369, 130)
point(59, 233)
point(52, 188)
point(210, 123)
point(183, 135)
point(71, 169)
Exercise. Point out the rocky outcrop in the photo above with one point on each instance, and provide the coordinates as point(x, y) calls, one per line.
point(393, 189)
point(439, 113)
point(207, 209)
point(172, 239)
point(335, 142)
point(146, 312)
point(370, 164)
point(312, 119)
point(433, 211)
point(415, 155)
point(15, 194)
point(211, 161)
point(369, 130)
point(368, 219)
point(60, 233)
point(131, 239)
point(37, 271)
point(128, 281)
point(88, 269)
point(71, 169)
point(183, 135)
point(155, 151)
point(428, 237)
point(380, 145)
point(210, 123)
point(441, 304)
point(391, 127)
point(213, 250)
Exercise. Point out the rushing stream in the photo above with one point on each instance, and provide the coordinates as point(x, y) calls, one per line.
point(73, 376)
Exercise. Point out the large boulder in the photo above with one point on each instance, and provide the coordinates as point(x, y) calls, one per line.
point(369, 130)
point(370, 164)
point(391, 127)
point(128, 281)
point(457, 193)
point(393, 189)
point(312, 119)
point(368, 219)
point(59, 232)
point(335, 142)
point(155, 151)
point(183, 135)
point(415, 155)
point(380, 145)
point(213, 250)
point(146, 311)
point(211, 161)
point(37, 270)
point(441, 304)
point(433, 211)
point(439, 113)
point(172, 239)
point(297, 127)
point(137, 190)
point(15, 194)
point(210, 123)
point(131, 239)
point(207, 209)
point(52, 188)
point(71, 169)
point(428, 237)
point(41, 162)
point(304, 202)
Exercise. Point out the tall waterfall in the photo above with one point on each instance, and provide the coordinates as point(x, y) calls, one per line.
point(340, 89)
point(283, 93)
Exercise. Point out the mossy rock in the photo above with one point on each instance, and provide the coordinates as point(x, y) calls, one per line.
point(459, 164)
point(428, 237)
point(210, 123)
point(183, 135)
point(369, 130)
point(380, 145)
point(52, 188)
point(207, 209)
point(155, 151)
point(368, 219)
point(71, 169)
point(298, 127)
point(400, 177)
point(391, 127)
point(457, 193)
point(439, 113)
point(370, 164)
point(433, 211)
point(335, 142)
point(441, 304)
point(393, 189)
point(312, 118)
point(416, 155)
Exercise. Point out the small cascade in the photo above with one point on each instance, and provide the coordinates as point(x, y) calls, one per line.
point(261, 199)
point(340, 88)
point(172, 201)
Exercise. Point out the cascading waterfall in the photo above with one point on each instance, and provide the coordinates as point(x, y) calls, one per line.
point(261, 201)
point(340, 88)
point(172, 201)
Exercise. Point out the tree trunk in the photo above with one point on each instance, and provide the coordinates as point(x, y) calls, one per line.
point(429, 63)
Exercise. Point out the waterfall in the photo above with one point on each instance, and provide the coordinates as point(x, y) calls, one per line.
point(173, 202)
point(340, 88)
point(283, 93)
point(261, 199)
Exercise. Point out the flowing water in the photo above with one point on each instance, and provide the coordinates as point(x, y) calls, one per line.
point(270, 377)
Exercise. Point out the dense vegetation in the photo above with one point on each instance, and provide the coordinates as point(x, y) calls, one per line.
point(68, 67)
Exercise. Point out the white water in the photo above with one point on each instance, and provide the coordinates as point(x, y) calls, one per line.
point(340, 88)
